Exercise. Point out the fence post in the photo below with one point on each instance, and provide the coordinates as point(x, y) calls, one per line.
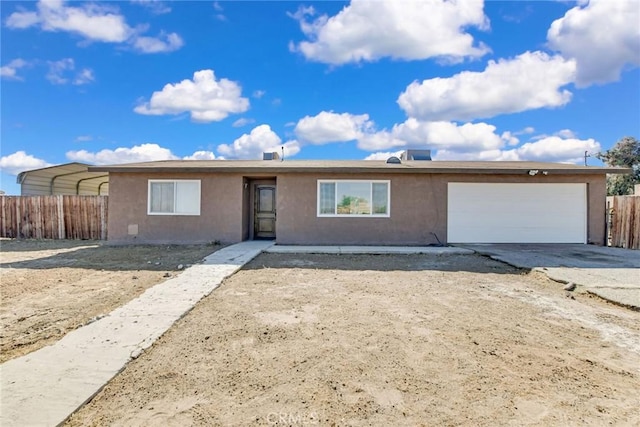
point(61, 229)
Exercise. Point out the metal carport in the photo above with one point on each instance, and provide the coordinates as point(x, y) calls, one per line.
point(67, 179)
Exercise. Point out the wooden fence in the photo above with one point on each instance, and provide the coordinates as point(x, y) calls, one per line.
point(625, 222)
point(54, 217)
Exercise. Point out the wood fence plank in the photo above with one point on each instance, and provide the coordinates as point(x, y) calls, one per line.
point(54, 217)
point(625, 227)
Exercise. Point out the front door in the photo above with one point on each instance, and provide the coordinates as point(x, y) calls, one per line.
point(265, 212)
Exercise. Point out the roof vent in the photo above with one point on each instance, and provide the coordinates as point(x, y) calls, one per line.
point(393, 160)
point(271, 156)
point(416, 155)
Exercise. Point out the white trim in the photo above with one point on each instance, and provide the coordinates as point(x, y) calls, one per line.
point(369, 181)
point(175, 197)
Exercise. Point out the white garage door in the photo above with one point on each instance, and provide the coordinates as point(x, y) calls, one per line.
point(516, 213)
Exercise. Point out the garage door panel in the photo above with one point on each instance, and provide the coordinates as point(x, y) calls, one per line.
point(516, 213)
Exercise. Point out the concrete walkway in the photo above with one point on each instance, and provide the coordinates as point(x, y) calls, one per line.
point(370, 250)
point(45, 387)
point(610, 273)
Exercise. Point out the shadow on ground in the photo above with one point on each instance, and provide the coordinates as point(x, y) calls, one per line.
point(393, 262)
point(99, 256)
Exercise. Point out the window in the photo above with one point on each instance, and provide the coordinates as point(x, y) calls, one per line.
point(353, 198)
point(174, 197)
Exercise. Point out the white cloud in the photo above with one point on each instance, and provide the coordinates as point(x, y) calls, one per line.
point(156, 7)
point(603, 36)
point(260, 140)
point(487, 155)
point(328, 126)
point(475, 141)
point(206, 98)
point(203, 155)
point(138, 153)
point(57, 70)
point(434, 135)
point(22, 19)
point(531, 80)
point(557, 149)
point(218, 8)
point(291, 148)
point(258, 93)
point(548, 149)
point(84, 138)
point(84, 77)
point(510, 138)
point(20, 161)
point(566, 134)
point(10, 71)
point(242, 121)
point(367, 30)
point(380, 155)
point(94, 22)
point(60, 73)
point(163, 43)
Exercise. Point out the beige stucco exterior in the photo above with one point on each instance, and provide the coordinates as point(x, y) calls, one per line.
point(418, 208)
point(221, 210)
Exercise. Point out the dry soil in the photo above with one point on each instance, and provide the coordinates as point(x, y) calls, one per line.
point(384, 341)
point(49, 287)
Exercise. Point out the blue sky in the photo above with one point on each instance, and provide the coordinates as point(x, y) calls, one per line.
point(116, 82)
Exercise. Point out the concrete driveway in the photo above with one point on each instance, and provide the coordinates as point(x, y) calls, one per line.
point(610, 273)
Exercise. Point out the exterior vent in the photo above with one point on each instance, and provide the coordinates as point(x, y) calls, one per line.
point(271, 156)
point(416, 155)
point(393, 160)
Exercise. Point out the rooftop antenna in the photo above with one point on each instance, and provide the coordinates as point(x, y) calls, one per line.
point(282, 159)
point(586, 154)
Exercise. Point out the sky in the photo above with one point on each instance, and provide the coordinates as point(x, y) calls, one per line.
point(130, 81)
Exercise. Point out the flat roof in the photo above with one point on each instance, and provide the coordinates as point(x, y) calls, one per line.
point(354, 166)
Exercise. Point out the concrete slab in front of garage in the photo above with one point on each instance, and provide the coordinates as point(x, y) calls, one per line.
point(611, 273)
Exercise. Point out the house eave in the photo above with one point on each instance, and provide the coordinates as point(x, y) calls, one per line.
point(357, 167)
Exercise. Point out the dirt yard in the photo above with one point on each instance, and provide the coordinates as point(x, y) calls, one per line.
point(384, 340)
point(48, 287)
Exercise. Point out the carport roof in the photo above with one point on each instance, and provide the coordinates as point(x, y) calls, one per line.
point(353, 166)
point(68, 178)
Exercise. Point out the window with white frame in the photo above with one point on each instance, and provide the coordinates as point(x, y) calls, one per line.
point(353, 198)
point(174, 197)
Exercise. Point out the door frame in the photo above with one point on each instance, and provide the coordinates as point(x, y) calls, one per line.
point(251, 185)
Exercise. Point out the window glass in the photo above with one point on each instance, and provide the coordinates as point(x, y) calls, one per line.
point(187, 197)
point(327, 198)
point(162, 197)
point(179, 197)
point(380, 196)
point(353, 198)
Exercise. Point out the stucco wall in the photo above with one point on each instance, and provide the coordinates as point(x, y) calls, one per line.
point(221, 211)
point(418, 209)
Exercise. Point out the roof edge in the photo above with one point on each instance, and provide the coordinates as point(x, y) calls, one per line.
point(300, 167)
